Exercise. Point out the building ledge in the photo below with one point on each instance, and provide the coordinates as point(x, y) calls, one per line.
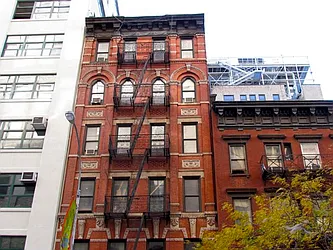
point(15, 209)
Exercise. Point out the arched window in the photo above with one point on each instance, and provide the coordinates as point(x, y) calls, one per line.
point(158, 92)
point(97, 93)
point(188, 90)
point(126, 92)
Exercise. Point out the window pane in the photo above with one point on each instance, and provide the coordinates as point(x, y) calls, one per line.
point(192, 204)
point(86, 203)
point(237, 152)
point(130, 46)
point(117, 246)
point(98, 87)
point(81, 246)
point(156, 187)
point(190, 131)
point(124, 131)
point(190, 146)
point(87, 188)
point(188, 85)
point(120, 187)
point(244, 206)
point(186, 43)
point(92, 133)
point(187, 54)
point(103, 47)
point(156, 245)
point(191, 187)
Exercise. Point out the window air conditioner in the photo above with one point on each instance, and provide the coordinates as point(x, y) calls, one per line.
point(39, 124)
point(96, 101)
point(29, 177)
point(90, 151)
point(189, 99)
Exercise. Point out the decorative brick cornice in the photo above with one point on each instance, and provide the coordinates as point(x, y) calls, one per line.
point(274, 114)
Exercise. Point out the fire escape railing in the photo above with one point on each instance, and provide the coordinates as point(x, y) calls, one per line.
point(278, 164)
point(136, 52)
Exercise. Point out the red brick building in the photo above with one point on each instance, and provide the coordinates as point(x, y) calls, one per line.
point(253, 141)
point(142, 111)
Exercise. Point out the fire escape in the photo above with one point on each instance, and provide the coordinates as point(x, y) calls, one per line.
point(138, 147)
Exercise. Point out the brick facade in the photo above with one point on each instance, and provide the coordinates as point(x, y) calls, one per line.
point(100, 225)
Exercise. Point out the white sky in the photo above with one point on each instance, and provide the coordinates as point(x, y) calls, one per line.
point(255, 28)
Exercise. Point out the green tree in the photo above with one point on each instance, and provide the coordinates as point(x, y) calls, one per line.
point(298, 215)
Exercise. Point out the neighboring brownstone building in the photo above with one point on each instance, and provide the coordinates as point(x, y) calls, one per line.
point(142, 111)
point(254, 141)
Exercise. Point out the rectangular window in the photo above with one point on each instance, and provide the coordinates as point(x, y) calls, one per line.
point(26, 86)
point(92, 140)
point(274, 155)
point(56, 9)
point(12, 242)
point(192, 194)
point(228, 98)
point(19, 135)
point(158, 51)
point(117, 245)
point(157, 140)
point(155, 244)
point(243, 205)
point(243, 97)
point(87, 195)
point(129, 51)
point(156, 195)
point(276, 97)
point(262, 97)
point(191, 244)
point(119, 195)
point(81, 245)
point(190, 140)
point(288, 153)
point(237, 158)
point(14, 193)
point(186, 46)
point(311, 155)
point(124, 139)
point(33, 45)
point(102, 53)
point(252, 97)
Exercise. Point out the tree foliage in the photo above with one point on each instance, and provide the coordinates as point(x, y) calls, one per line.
point(298, 215)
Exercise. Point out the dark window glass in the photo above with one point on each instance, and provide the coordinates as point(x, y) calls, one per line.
point(81, 245)
point(87, 195)
point(155, 245)
point(14, 193)
point(119, 195)
point(158, 51)
point(116, 245)
point(12, 242)
point(192, 194)
point(288, 153)
point(156, 195)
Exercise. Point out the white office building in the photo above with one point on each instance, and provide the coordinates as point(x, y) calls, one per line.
point(40, 45)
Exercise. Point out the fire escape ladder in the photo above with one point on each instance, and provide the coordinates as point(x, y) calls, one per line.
point(138, 233)
point(137, 179)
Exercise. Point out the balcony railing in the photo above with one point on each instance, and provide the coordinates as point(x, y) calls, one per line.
point(136, 52)
point(157, 145)
point(145, 93)
point(280, 163)
point(149, 205)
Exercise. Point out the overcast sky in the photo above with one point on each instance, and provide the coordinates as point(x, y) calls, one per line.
point(254, 28)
